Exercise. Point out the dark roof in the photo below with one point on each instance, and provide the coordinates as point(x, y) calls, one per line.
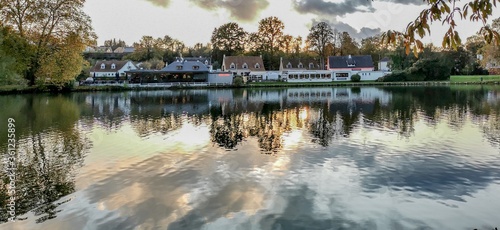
point(362, 61)
point(251, 61)
point(107, 66)
point(385, 59)
point(307, 63)
point(186, 66)
point(199, 59)
point(124, 50)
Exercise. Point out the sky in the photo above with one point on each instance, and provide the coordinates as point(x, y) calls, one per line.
point(192, 21)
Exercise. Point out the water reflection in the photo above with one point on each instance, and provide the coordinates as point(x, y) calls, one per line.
point(256, 159)
point(50, 150)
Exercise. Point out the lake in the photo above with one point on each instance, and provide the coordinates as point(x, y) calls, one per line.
point(278, 158)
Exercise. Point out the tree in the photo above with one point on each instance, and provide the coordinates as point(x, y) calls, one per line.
point(200, 50)
point(347, 45)
point(48, 26)
point(297, 45)
point(148, 46)
point(446, 11)
point(287, 43)
point(114, 44)
point(52, 71)
point(491, 52)
point(269, 39)
point(320, 36)
point(229, 39)
point(271, 33)
point(474, 44)
point(13, 61)
point(373, 46)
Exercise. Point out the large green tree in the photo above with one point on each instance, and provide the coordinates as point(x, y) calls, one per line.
point(320, 36)
point(271, 33)
point(229, 39)
point(348, 46)
point(55, 29)
point(268, 40)
point(13, 61)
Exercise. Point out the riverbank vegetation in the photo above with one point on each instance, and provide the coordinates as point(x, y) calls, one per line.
point(42, 43)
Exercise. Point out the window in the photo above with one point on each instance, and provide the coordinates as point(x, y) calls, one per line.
point(195, 67)
point(206, 62)
point(301, 66)
point(103, 66)
point(232, 66)
point(351, 63)
point(179, 67)
point(311, 65)
point(113, 66)
point(289, 65)
point(244, 66)
point(257, 66)
point(342, 75)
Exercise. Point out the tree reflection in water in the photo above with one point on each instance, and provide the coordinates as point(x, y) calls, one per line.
point(50, 148)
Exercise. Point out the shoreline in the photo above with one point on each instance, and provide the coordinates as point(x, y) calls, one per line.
point(6, 90)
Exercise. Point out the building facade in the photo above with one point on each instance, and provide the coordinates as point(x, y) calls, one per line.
point(243, 65)
point(111, 69)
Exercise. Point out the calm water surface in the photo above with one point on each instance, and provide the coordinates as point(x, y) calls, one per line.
point(298, 158)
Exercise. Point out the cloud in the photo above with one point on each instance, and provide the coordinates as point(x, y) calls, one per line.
point(325, 8)
point(242, 10)
point(163, 3)
point(322, 7)
point(344, 27)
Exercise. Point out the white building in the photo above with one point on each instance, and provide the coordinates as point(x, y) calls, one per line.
point(111, 69)
point(383, 64)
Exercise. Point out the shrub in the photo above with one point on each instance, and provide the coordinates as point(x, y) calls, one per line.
point(432, 69)
point(238, 81)
point(394, 76)
point(355, 78)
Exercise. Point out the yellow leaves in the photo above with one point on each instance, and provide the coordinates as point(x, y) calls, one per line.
point(457, 39)
point(61, 64)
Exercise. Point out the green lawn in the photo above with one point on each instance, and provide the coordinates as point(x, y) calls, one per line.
point(475, 78)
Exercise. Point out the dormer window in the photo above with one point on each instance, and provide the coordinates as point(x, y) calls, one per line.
point(195, 67)
point(245, 66)
point(300, 65)
point(179, 67)
point(289, 65)
point(103, 66)
point(257, 66)
point(113, 66)
point(206, 62)
point(351, 63)
point(232, 66)
point(311, 65)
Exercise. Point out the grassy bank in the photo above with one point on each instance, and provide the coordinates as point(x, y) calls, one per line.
point(475, 79)
point(14, 89)
point(454, 80)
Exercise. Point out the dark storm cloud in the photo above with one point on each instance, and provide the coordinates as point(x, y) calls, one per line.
point(163, 3)
point(331, 8)
point(322, 7)
point(243, 10)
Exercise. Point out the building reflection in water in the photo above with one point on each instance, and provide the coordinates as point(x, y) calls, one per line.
point(53, 147)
